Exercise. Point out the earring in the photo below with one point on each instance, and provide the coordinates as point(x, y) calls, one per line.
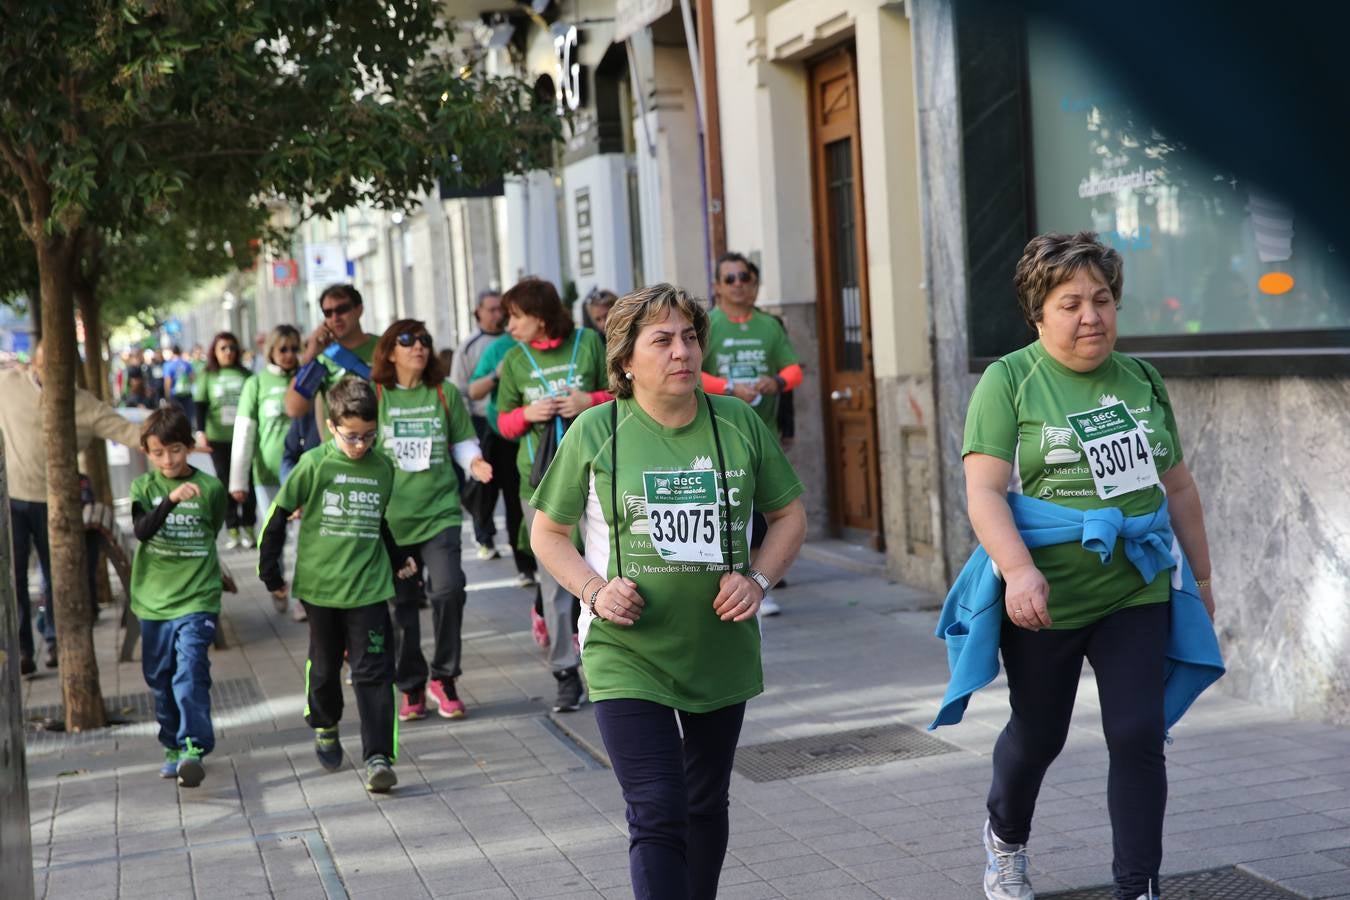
point(628, 375)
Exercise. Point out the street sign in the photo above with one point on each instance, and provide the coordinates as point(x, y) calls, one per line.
point(285, 272)
point(325, 264)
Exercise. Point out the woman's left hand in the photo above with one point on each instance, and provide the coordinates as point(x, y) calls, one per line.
point(574, 404)
point(737, 599)
point(481, 469)
point(409, 569)
point(1207, 597)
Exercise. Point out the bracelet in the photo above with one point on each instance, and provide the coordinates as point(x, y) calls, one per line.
point(591, 602)
point(782, 383)
point(1202, 582)
point(582, 592)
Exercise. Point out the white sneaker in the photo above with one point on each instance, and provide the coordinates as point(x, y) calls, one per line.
point(769, 606)
point(487, 551)
point(1005, 873)
point(233, 541)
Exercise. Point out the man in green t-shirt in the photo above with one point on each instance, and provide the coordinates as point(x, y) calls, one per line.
point(177, 511)
point(749, 356)
point(344, 578)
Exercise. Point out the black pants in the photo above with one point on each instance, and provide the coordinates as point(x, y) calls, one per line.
point(363, 632)
point(443, 580)
point(236, 514)
point(28, 524)
point(675, 777)
point(481, 499)
point(501, 455)
point(1127, 650)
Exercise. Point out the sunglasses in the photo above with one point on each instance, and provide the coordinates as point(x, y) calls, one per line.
point(221, 348)
point(287, 348)
point(407, 339)
point(340, 310)
point(742, 277)
point(366, 438)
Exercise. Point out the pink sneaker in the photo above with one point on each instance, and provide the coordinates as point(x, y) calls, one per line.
point(447, 701)
point(414, 707)
point(539, 629)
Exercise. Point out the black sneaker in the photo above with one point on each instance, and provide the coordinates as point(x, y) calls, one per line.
point(571, 694)
point(52, 662)
point(380, 775)
point(328, 748)
point(190, 770)
point(27, 666)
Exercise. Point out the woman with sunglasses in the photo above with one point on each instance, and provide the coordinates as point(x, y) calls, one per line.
point(660, 484)
point(554, 373)
point(216, 396)
point(260, 430)
point(424, 423)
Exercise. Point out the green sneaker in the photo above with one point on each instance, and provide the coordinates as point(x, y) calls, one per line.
point(190, 769)
point(233, 541)
point(249, 539)
point(380, 775)
point(170, 767)
point(328, 748)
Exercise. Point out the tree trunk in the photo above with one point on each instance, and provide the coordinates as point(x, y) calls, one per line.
point(65, 525)
point(96, 379)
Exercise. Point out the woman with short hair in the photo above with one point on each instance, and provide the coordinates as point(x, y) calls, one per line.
point(661, 484)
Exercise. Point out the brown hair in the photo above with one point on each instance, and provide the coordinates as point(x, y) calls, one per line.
point(169, 425)
point(213, 364)
point(635, 311)
point(1051, 259)
point(352, 398)
point(539, 298)
point(382, 371)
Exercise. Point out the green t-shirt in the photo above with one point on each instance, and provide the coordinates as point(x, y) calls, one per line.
point(743, 351)
point(364, 352)
point(263, 401)
point(176, 572)
point(493, 353)
point(679, 654)
point(221, 390)
point(340, 561)
point(528, 376)
point(417, 432)
point(1021, 412)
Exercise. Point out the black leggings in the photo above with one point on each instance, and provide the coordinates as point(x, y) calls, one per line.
point(236, 514)
point(1127, 650)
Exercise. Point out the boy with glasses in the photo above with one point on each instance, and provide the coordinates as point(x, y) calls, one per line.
point(344, 578)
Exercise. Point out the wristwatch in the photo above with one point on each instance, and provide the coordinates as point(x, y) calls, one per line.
point(758, 578)
point(730, 388)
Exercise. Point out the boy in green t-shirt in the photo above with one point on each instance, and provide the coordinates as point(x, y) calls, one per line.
point(175, 590)
point(344, 578)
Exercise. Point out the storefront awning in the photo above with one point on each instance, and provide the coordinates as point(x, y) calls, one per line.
point(631, 16)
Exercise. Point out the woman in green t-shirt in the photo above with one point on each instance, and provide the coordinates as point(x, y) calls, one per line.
point(216, 395)
point(424, 424)
point(661, 485)
point(554, 373)
point(1068, 420)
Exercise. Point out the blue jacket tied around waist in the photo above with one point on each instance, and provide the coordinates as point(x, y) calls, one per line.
point(972, 616)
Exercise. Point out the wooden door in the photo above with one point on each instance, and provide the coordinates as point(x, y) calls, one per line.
point(849, 392)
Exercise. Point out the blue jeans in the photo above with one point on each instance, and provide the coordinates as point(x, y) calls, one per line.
point(29, 525)
point(675, 777)
point(178, 670)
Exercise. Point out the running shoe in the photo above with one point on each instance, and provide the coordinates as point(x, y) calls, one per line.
point(190, 770)
point(280, 604)
point(27, 666)
point(770, 606)
point(170, 767)
point(1005, 872)
point(248, 539)
point(298, 613)
point(52, 660)
point(442, 693)
point(380, 775)
point(328, 748)
point(538, 628)
point(526, 580)
point(233, 540)
point(571, 694)
point(414, 707)
point(487, 551)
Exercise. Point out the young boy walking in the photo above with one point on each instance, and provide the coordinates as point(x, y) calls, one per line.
point(177, 512)
point(344, 578)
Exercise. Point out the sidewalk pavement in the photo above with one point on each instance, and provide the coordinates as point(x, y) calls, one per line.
point(509, 803)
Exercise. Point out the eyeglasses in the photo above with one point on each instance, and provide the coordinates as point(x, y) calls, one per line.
point(340, 310)
point(407, 339)
point(365, 438)
point(743, 277)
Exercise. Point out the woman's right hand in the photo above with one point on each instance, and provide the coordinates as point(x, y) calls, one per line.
point(619, 602)
point(541, 410)
point(1027, 598)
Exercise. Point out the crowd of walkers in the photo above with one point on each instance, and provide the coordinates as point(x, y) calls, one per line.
point(638, 451)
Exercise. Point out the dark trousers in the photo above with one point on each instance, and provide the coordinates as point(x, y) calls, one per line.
point(177, 667)
point(236, 514)
point(28, 523)
point(363, 632)
point(1127, 650)
point(482, 498)
point(501, 455)
point(674, 777)
point(187, 405)
point(442, 579)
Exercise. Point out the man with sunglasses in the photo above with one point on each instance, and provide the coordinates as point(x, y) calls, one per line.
point(749, 356)
point(340, 305)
